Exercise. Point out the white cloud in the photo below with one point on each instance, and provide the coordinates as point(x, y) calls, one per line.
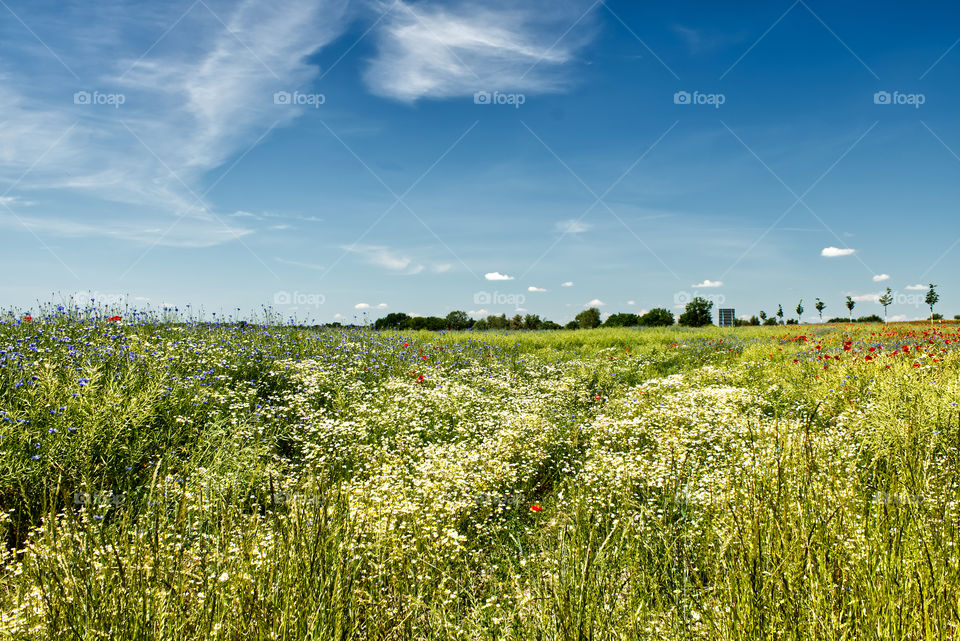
point(520, 309)
point(833, 252)
point(866, 298)
point(571, 226)
point(569, 283)
point(428, 50)
point(201, 98)
point(631, 302)
point(386, 258)
point(878, 278)
point(478, 312)
point(296, 263)
point(535, 289)
point(709, 283)
point(916, 288)
point(369, 306)
point(497, 276)
point(596, 302)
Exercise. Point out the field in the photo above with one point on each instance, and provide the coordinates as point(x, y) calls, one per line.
point(238, 481)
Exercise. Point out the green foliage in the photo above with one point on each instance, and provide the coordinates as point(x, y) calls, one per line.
point(588, 318)
point(657, 317)
point(697, 313)
point(622, 320)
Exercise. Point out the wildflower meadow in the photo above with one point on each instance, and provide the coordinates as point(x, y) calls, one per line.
point(166, 478)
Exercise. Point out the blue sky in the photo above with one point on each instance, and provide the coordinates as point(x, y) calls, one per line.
point(336, 159)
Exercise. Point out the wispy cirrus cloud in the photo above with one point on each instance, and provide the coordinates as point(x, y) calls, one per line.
point(200, 97)
point(429, 50)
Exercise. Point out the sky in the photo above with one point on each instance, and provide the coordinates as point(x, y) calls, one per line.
point(337, 160)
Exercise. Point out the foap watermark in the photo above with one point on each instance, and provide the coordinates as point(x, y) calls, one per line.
point(299, 99)
point(699, 98)
point(99, 98)
point(899, 98)
point(682, 298)
point(499, 98)
point(298, 299)
point(498, 298)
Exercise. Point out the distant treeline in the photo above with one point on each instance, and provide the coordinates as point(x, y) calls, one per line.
point(459, 320)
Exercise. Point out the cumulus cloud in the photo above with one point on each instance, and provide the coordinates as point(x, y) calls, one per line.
point(709, 283)
point(834, 252)
point(878, 278)
point(866, 298)
point(916, 288)
point(478, 312)
point(569, 283)
point(535, 289)
point(369, 306)
point(631, 302)
point(497, 276)
point(596, 302)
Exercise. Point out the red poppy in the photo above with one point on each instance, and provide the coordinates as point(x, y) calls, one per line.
point(420, 378)
point(27, 318)
point(406, 344)
point(114, 319)
point(536, 508)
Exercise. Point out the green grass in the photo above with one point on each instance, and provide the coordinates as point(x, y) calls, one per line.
point(277, 482)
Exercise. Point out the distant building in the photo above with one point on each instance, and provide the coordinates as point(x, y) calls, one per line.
point(727, 315)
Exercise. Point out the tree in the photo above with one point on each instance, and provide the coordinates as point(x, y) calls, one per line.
point(820, 307)
point(850, 305)
point(621, 320)
point(497, 322)
point(763, 316)
point(532, 321)
point(516, 322)
point(588, 318)
point(394, 320)
point(931, 299)
point(780, 313)
point(458, 320)
point(886, 300)
point(800, 311)
point(754, 321)
point(657, 317)
point(697, 313)
point(571, 325)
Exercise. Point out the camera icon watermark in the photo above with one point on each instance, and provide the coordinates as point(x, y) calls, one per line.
point(683, 297)
point(498, 98)
point(298, 299)
point(97, 98)
point(698, 98)
point(299, 99)
point(898, 98)
point(498, 298)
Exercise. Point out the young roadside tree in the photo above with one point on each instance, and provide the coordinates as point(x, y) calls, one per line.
point(820, 307)
point(800, 311)
point(588, 318)
point(763, 316)
point(886, 300)
point(931, 299)
point(850, 305)
point(780, 313)
point(697, 313)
